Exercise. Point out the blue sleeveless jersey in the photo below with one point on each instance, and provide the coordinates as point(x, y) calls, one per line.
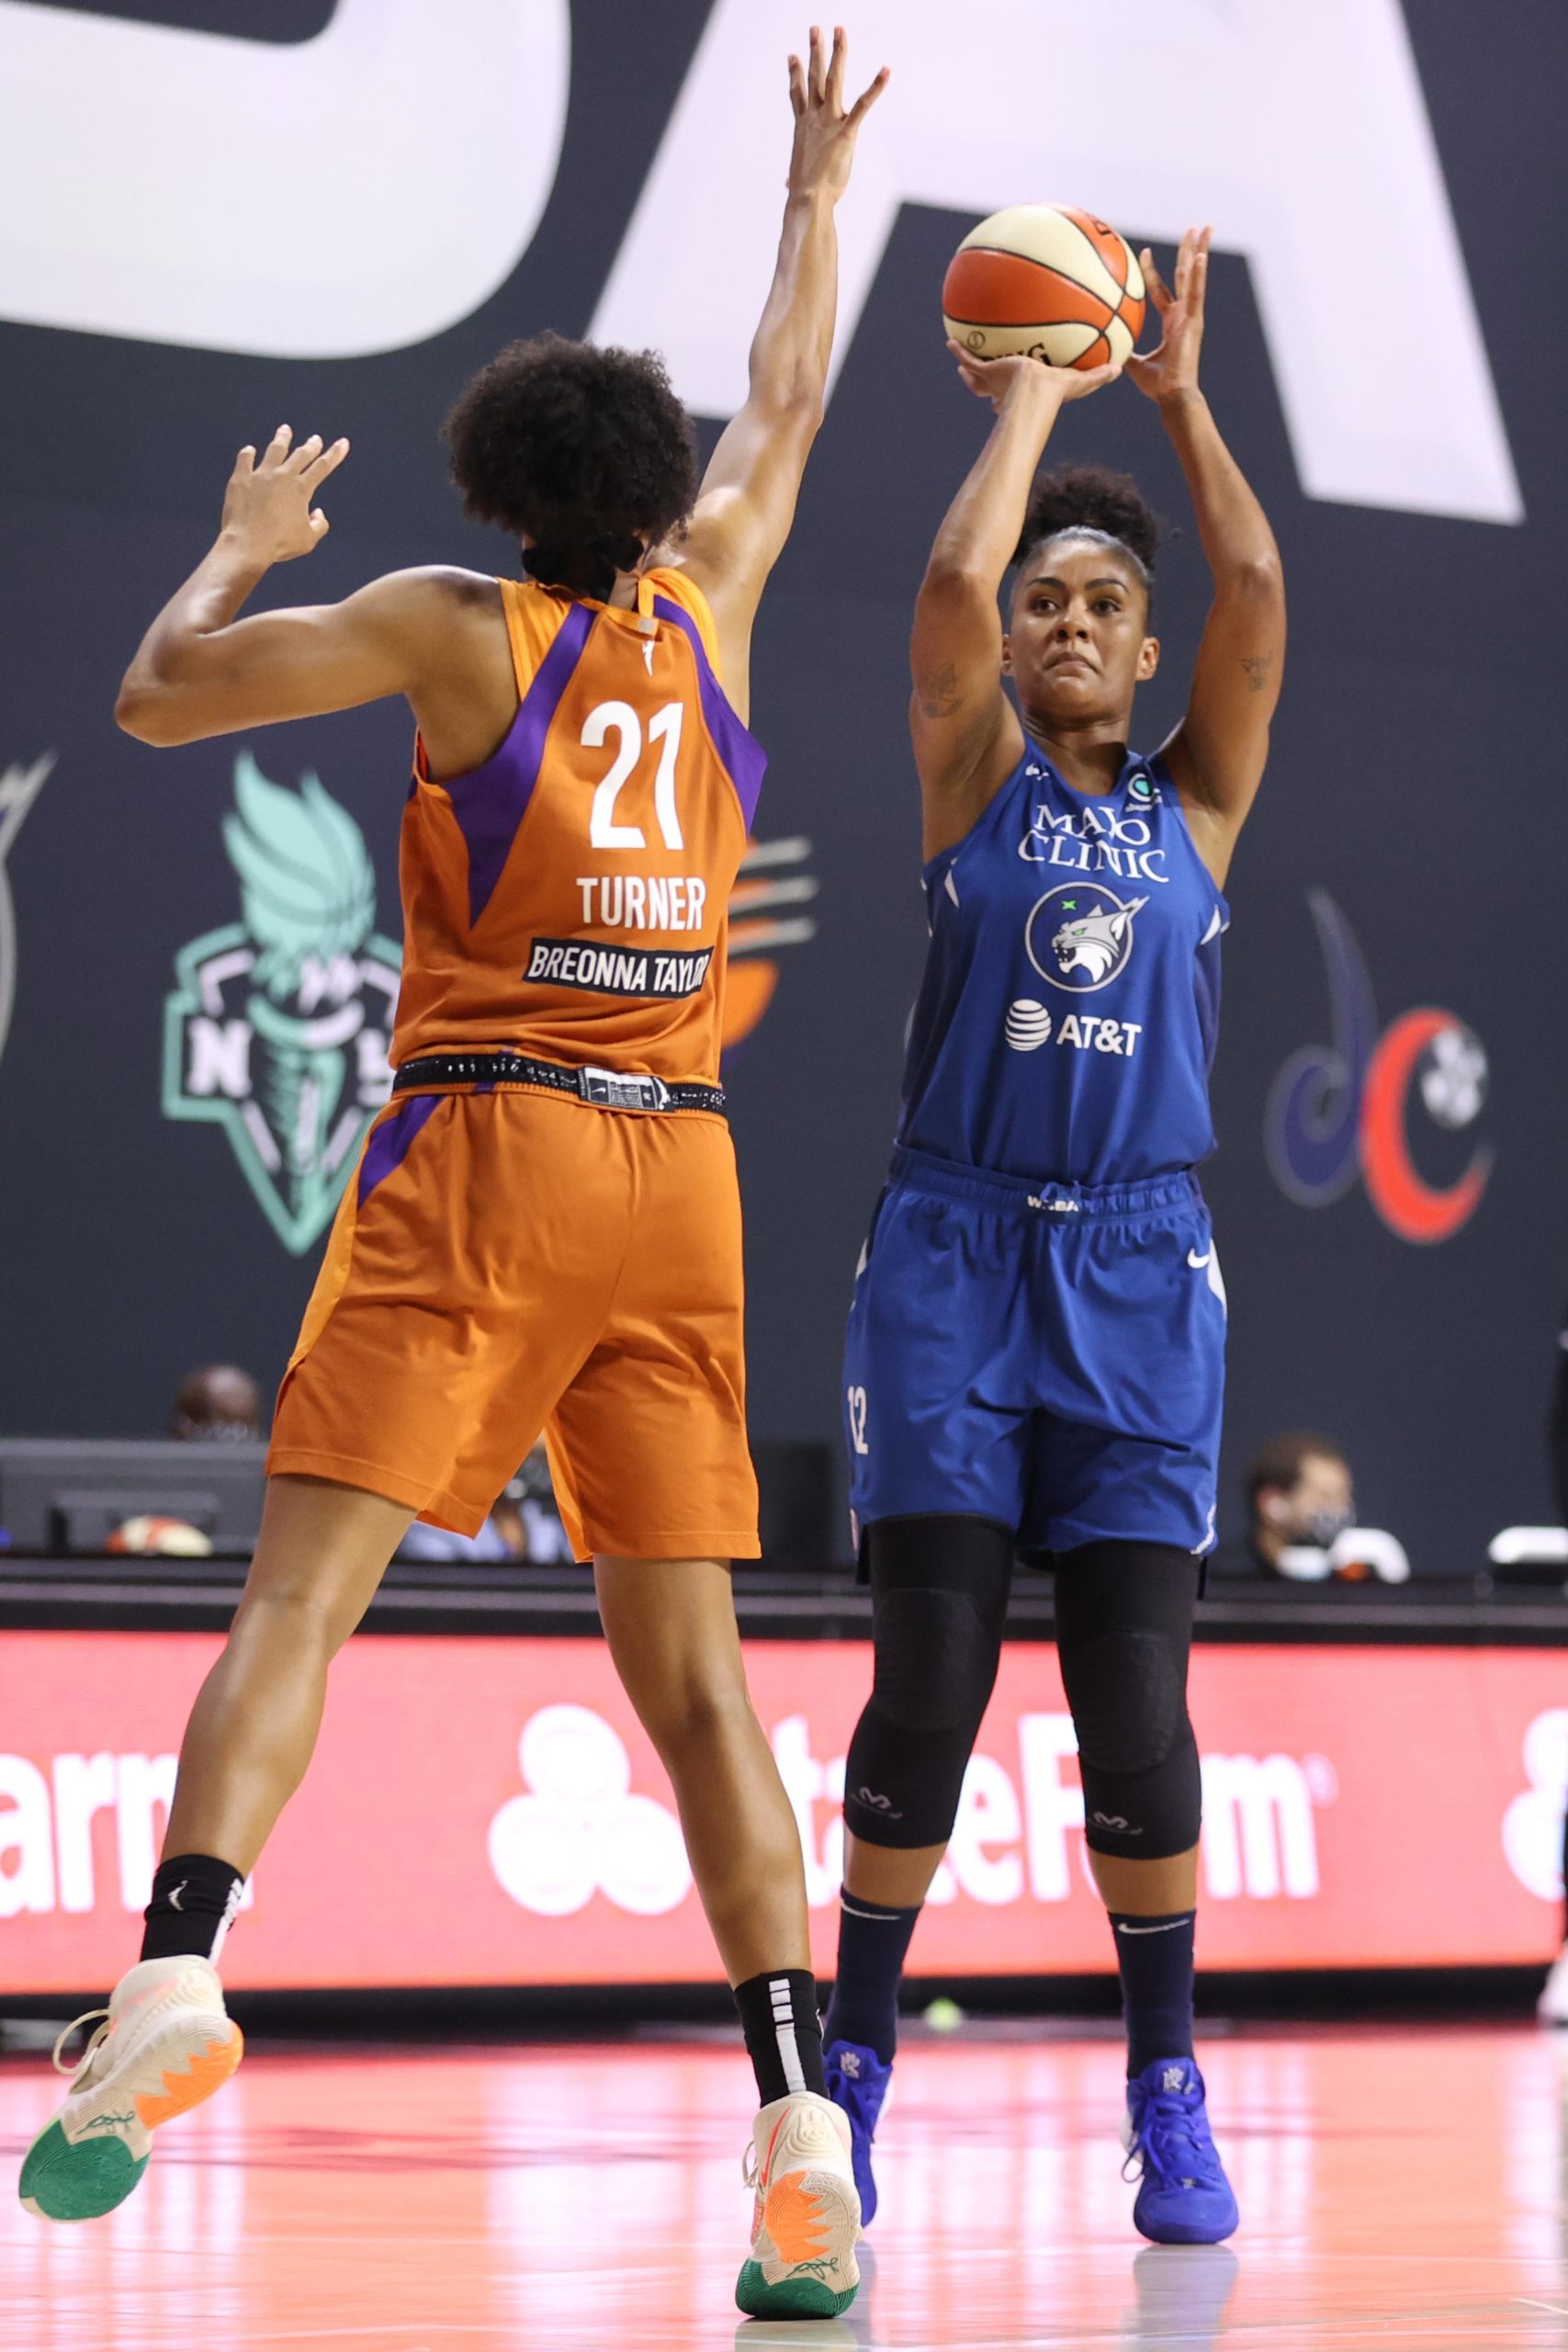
point(1066, 1019)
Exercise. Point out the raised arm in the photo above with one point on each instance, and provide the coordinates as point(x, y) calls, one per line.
point(202, 669)
point(1217, 753)
point(966, 734)
point(747, 504)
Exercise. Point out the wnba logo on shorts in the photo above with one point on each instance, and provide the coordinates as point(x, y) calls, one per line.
point(279, 1027)
point(1338, 1110)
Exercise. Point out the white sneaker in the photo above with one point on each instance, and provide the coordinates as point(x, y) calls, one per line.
point(806, 2216)
point(166, 2043)
point(1553, 2007)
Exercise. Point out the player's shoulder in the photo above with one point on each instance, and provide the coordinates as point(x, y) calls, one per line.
point(676, 583)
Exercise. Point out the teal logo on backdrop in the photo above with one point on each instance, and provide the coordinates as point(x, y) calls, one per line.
point(278, 1026)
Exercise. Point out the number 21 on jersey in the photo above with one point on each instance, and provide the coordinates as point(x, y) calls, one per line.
point(663, 728)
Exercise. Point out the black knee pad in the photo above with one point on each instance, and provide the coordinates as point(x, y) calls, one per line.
point(939, 1587)
point(1123, 1630)
point(936, 1659)
point(1128, 1695)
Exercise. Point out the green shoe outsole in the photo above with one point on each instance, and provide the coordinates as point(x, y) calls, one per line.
point(75, 2181)
point(796, 2298)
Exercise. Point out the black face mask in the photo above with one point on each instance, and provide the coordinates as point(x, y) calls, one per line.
point(1321, 1528)
point(586, 567)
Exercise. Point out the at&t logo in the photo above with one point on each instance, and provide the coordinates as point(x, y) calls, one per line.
point(1341, 1110)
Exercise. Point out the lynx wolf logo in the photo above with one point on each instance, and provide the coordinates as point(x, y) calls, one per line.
point(19, 788)
point(280, 1024)
point(1092, 939)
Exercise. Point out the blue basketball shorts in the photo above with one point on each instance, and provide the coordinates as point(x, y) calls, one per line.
point(1048, 1356)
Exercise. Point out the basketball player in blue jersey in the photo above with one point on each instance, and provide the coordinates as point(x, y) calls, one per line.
point(1035, 1353)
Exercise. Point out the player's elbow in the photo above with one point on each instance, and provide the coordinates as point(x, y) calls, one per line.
point(150, 712)
point(1259, 580)
point(956, 581)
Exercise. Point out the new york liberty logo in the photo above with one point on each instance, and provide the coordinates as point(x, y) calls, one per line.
point(278, 1026)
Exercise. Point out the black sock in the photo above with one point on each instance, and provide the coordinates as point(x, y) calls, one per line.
point(784, 2033)
point(195, 1896)
point(872, 1941)
point(1155, 1960)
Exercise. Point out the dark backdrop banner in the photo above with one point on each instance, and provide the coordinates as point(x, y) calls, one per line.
point(333, 215)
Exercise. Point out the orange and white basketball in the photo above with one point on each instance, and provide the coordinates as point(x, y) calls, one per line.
point(1047, 279)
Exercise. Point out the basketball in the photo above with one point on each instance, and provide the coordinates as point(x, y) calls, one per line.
point(1046, 279)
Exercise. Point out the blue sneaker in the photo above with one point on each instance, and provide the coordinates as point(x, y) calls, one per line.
point(1183, 2195)
point(857, 2081)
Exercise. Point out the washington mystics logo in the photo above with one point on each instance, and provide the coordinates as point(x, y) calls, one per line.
point(1342, 1110)
point(1080, 936)
point(279, 1026)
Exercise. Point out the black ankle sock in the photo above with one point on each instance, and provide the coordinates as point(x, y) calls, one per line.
point(784, 2033)
point(195, 1896)
point(1155, 1960)
point(874, 1939)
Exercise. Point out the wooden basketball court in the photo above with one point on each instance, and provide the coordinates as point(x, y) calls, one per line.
point(1401, 2188)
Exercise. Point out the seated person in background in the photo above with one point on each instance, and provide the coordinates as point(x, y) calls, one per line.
point(1299, 1498)
point(219, 1401)
point(216, 1403)
point(1301, 1515)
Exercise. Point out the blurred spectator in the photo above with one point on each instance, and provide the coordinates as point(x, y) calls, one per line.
point(1301, 1521)
point(217, 1402)
point(1299, 1498)
point(523, 1524)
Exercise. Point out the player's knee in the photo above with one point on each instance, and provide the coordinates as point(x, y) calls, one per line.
point(1149, 1815)
point(694, 1715)
point(1127, 1688)
point(935, 1660)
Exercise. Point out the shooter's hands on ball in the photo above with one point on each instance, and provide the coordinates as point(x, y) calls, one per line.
point(824, 130)
point(267, 508)
point(993, 379)
point(1170, 372)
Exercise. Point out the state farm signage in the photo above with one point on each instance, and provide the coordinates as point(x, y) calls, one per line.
point(503, 1819)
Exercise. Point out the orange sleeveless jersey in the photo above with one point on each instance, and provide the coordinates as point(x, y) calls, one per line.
point(569, 898)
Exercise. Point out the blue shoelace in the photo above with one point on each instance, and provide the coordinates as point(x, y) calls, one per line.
point(1172, 2138)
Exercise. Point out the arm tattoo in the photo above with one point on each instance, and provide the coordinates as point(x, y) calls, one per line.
point(1259, 668)
point(940, 696)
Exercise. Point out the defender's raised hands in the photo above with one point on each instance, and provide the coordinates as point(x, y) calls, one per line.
point(824, 130)
point(268, 507)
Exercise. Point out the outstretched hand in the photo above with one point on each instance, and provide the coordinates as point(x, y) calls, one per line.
point(825, 130)
point(1171, 368)
point(267, 504)
point(993, 379)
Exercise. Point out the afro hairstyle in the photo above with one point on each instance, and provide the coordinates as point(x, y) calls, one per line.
point(566, 442)
point(1092, 498)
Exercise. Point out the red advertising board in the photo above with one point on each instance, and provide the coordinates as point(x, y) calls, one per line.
point(487, 1812)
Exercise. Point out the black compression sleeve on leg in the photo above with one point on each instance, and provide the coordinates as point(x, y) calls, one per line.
point(940, 1590)
point(1123, 1633)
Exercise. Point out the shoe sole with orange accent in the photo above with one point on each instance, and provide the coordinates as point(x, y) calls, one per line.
point(803, 2263)
point(84, 2164)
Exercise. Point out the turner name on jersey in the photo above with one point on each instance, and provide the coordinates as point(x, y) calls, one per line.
point(643, 902)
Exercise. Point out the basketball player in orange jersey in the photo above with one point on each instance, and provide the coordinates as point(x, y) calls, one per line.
point(544, 1228)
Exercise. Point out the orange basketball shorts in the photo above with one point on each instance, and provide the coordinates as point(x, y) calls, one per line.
point(508, 1262)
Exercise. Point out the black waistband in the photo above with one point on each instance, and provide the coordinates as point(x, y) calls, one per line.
point(609, 1090)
